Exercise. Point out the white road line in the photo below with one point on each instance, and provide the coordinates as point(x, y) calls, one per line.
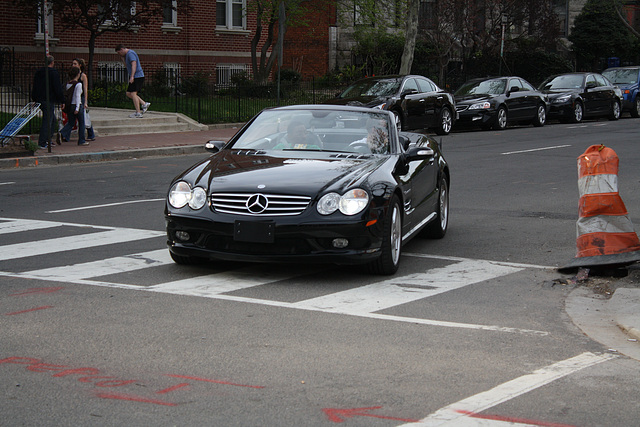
point(108, 205)
point(457, 414)
point(7, 183)
point(104, 267)
point(536, 149)
point(457, 258)
point(61, 244)
point(14, 226)
point(404, 289)
point(212, 285)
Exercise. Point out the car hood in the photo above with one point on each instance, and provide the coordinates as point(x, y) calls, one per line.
point(555, 93)
point(255, 171)
point(472, 99)
point(359, 101)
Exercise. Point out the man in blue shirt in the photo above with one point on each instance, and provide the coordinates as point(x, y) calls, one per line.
point(136, 79)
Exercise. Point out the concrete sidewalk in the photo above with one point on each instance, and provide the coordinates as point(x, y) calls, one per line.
point(122, 147)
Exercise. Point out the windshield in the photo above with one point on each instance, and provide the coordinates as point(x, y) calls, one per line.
point(568, 81)
point(372, 87)
point(318, 130)
point(624, 76)
point(490, 87)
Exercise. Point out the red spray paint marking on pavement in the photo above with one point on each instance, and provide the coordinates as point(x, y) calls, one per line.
point(338, 415)
point(32, 291)
point(29, 310)
point(170, 389)
point(214, 381)
point(513, 420)
point(132, 398)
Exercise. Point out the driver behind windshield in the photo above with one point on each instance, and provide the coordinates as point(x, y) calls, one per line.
point(296, 138)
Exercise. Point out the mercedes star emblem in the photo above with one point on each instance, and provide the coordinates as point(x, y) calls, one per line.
point(257, 203)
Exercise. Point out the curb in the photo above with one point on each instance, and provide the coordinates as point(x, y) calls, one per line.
point(67, 159)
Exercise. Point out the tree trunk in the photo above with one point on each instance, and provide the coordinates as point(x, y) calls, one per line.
point(411, 32)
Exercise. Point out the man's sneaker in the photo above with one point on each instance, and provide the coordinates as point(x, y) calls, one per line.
point(83, 143)
point(135, 115)
point(145, 107)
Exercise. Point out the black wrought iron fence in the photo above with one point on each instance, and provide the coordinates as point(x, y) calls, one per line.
point(208, 102)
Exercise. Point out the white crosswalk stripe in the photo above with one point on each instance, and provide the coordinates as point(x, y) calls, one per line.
point(401, 290)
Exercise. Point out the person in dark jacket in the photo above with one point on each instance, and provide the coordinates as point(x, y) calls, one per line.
point(39, 94)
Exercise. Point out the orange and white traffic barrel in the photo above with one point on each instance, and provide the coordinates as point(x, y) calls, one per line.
point(605, 234)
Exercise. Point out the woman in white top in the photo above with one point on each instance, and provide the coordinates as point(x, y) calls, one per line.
point(73, 107)
point(79, 62)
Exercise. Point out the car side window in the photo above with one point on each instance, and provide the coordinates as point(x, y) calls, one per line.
point(516, 83)
point(591, 79)
point(526, 85)
point(601, 81)
point(409, 85)
point(426, 85)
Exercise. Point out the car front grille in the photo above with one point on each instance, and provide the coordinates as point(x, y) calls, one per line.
point(259, 204)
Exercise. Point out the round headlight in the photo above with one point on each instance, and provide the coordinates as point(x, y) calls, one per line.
point(354, 201)
point(198, 198)
point(180, 194)
point(328, 203)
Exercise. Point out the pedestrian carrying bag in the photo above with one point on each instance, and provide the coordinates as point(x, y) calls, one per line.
point(69, 108)
point(87, 119)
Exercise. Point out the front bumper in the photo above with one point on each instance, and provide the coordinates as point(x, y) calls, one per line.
point(561, 110)
point(289, 242)
point(476, 117)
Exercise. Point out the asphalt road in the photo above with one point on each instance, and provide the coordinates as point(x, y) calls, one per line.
point(99, 327)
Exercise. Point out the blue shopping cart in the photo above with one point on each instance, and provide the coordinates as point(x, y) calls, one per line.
point(16, 124)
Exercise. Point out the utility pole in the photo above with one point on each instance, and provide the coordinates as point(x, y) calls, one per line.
point(504, 24)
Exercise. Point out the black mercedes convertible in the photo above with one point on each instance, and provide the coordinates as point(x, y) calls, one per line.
point(310, 183)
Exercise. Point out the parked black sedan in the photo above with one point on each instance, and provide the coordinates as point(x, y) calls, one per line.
point(574, 96)
point(497, 101)
point(310, 183)
point(416, 101)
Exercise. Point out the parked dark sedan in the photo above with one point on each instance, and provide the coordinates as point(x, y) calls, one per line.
point(574, 96)
point(497, 101)
point(628, 80)
point(416, 101)
point(310, 183)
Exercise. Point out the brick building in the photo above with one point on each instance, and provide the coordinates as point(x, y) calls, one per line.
point(213, 37)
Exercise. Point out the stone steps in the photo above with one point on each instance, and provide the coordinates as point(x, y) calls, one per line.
point(107, 121)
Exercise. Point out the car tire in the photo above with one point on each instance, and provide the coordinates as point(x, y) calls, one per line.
point(635, 111)
point(437, 228)
point(616, 111)
point(445, 122)
point(398, 119)
point(578, 113)
point(501, 119)
point(389, 260)
point(541, 116)
point(185, 259)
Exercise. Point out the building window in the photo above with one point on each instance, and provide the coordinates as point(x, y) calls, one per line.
point(224, 72)
point(170, 14)
point(172, 72)
point(40, 24)
point(230, 14)
point(112, 71)
point(117, 13)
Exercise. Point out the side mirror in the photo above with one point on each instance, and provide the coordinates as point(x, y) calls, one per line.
point(513, 89)
point(590, 85)
point(418, 153)
point(214, 146)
